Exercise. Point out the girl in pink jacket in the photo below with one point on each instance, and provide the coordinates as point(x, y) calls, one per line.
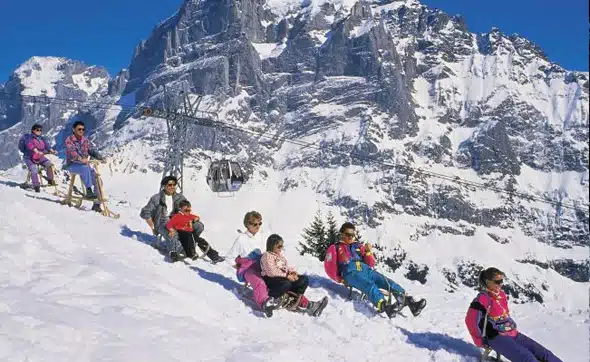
point(490, 325)
point(284, 282)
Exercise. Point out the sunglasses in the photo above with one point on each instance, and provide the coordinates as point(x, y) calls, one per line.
point(349, 235)
point(37, 130)
point(255, 224)
point(498, 281)
point(80, 129)
point(171, 185)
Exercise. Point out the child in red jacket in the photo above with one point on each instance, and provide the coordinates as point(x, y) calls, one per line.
point(188, 227)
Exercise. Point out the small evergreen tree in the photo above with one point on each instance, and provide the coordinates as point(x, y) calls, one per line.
point(319, 236)
point(332, 234)
point(313, 237)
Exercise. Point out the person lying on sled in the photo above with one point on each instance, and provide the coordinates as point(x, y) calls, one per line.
point(355, 262)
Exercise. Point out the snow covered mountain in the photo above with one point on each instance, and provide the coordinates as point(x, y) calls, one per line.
point(378, 89)
point(56, 78)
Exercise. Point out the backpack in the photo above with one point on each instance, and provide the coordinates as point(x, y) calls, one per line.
point(22, 143)
point(331, 263)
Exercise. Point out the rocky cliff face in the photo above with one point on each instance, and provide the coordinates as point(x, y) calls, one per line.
point(377, 89)
point(36, 93)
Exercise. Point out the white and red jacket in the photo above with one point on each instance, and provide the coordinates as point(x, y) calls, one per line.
point(274, 265)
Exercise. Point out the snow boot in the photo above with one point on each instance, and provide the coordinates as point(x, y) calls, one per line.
point(390, 310)
point(315, 309)
point(415, 306)
point(217, 259)
point(175, 256)
point(90, 195)
point(270, 305)
point(96, 207)
point(37, 188)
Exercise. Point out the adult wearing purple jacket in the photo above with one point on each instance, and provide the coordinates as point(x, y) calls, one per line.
point(35, 147)
point(78, 153)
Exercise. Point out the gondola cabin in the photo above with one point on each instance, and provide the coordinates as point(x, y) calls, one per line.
point(225, 176)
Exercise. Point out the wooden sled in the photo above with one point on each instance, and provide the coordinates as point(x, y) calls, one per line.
point(74, 196)
point(43, 180)
point(363, 296)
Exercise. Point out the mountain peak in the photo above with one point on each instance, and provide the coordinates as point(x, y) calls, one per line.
point(38, 75)
point(41, 75)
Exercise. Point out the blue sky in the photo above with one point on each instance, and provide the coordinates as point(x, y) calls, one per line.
point(106, 34)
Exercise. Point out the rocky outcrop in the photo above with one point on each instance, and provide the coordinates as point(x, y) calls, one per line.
point(62, 81)
point(489, 150)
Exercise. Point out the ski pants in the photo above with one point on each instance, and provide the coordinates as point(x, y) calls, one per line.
point(188, 240)
point(171, 243)
point(277, 286)
point(253, 277)
point(362, 277)
point(521, 348)
point(32, 166)
point(87, 174)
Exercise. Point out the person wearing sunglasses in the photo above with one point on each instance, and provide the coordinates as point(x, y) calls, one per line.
point(245, 254)
point(35, 147)
point(356, 263)
point(283, 281)
point(78, 153)
point(188, 227)
point(158, 210)
point(490, 325)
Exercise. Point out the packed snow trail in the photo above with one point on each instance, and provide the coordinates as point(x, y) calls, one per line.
point(77, 286)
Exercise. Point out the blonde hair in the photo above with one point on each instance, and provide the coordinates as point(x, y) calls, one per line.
point(251, 215)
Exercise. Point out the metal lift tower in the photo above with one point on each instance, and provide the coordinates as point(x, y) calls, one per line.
point(181, 113)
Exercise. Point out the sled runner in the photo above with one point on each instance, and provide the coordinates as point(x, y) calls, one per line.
point(74, 196)
point(43, 180)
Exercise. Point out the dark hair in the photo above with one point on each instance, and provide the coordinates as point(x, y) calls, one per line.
point(272, 241)
point(347, 225)
point(184, 203)
point(36, 126)
point(488, 274)
point(77, 123)
point(167, 179)
point(251, 215)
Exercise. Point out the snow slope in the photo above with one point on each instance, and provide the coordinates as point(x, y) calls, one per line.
point(78, 286)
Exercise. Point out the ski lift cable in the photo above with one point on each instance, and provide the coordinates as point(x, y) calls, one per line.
point(218, 124)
